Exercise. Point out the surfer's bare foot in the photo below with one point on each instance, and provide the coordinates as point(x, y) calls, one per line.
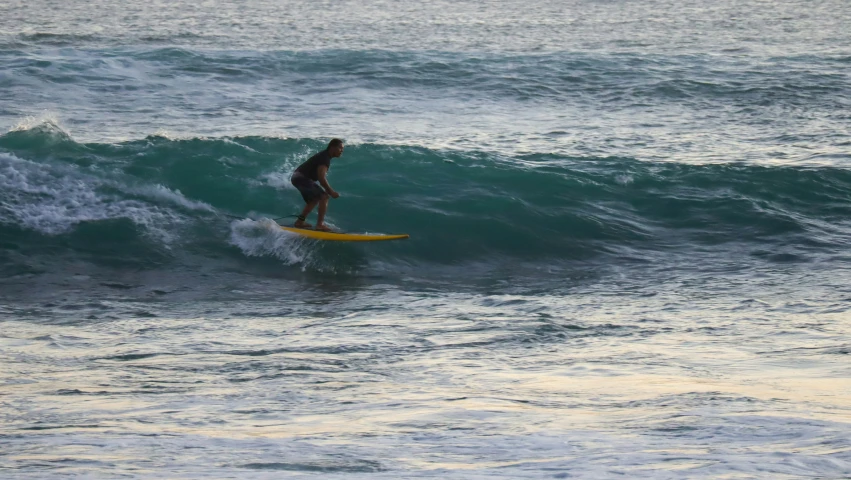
point(302, 224)
point(322, 227)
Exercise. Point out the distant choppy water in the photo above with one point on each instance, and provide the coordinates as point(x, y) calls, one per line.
point(629, 229)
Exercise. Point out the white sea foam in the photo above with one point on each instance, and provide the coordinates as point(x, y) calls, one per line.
point(278, 179)
point(163, 133)
point(623, 178)
point(257, 238)
point(50, 120)
point(174, 196)
point(231, 141)
point(52, 199)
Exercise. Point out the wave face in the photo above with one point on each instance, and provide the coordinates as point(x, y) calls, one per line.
point(161, 203)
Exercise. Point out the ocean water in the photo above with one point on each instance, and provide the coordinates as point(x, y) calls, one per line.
point(629, 256)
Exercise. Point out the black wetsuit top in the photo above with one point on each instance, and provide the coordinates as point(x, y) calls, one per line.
point(310, 168)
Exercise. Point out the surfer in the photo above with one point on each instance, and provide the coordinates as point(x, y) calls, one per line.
point(305, 179)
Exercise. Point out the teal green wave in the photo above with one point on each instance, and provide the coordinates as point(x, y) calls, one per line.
point(154, 201)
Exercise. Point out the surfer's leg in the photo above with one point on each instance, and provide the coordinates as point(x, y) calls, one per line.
point(300, 222)
point(312, 194)
point(323, 207)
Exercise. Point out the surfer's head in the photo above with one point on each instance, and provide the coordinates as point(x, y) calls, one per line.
point(335, 147)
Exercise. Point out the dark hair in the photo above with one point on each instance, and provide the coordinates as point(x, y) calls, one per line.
point(334, 143)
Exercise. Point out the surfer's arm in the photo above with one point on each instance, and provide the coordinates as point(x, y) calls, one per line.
point(322, 171)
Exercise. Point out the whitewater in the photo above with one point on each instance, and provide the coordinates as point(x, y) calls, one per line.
point(628, 257)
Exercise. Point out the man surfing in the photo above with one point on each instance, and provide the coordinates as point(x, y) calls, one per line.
point(305, 179)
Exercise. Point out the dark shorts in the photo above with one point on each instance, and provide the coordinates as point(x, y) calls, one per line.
point(310, 190)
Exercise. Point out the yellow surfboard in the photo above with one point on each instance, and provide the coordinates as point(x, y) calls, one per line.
point(342, 237)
